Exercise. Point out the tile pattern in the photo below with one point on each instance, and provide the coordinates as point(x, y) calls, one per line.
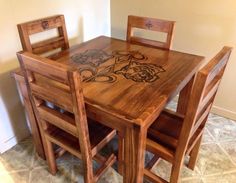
point(216, 163)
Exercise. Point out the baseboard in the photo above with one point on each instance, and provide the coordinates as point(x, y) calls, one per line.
point(224, 112)
point(8, 144)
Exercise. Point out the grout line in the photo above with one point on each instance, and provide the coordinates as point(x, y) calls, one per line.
point(32, 158)
point(214, 139)
point(28, 181)
point(225, 152)
point(217, 142)
point(13, 171)
point(220, 174)
point(30, 175)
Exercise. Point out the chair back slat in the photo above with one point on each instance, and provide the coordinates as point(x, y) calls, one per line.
point(210, 94)
point(203, 93)
point(48, 45)
point(36, 26)
point(63, 99)
point(45, 67)
point(63, 121)
point(201, 118)
point(152, 24)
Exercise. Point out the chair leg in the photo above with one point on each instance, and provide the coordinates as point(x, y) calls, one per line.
point(194, 154)
point(88, 172)
point(176, 169)
point(175, 172)
point(50, 157)
point(120, 154)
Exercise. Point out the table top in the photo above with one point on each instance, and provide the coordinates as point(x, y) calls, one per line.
point(127, 79)
point(131, 81)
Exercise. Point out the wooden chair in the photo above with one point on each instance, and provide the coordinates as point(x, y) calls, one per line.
point(172, 136)
point(50, 81)
point(152, 24)
point(27, 29)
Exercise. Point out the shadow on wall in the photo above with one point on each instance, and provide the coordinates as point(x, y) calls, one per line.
point(118, 33)
point(14, 124)
point(80, 34)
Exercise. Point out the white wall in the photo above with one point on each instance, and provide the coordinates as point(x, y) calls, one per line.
point(85, 19)
point(202, 27)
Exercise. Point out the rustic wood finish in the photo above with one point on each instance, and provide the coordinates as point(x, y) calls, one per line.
point(68, 129)
point(20, 80)
point(36, 26)
point(152, 24)
point(128, 104)
point(173, 135)
point(61, 42)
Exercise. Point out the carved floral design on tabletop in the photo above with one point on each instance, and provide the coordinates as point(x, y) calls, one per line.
point(99, 66)
point(141, 72)
point(92, 57)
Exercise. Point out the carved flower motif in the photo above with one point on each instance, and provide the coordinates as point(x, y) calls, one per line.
point(141, 72)
point(130, 56)
point(92, 57)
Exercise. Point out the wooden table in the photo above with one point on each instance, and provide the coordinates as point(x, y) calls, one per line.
point(126, 87)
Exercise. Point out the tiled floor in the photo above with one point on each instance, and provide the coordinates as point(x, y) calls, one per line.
point(216, 163)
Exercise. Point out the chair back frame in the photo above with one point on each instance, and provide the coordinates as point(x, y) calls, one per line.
point(152, 24)
point(64, 76)
point(36, 26)
point(203, 93)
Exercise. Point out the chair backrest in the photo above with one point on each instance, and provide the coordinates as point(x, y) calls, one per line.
point(37, 26)
point(202, 96)
point(152, 24)
point(50, 81)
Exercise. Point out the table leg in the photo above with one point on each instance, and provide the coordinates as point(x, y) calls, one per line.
point(32, 120)
point(184, 96)
point(120, 153)
point(134, 154)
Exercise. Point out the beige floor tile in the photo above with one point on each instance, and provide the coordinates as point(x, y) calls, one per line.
point(38, 162)
point(225, 178)
point(222, 129)
point(163, 169)
point(18, 158)
point(40, 175)
point(230, 148)
point(77, 171)
point(65, 158)
point(207, 138)
point(21, 165)
point(213, 116)
point(64, 174)
point(16, 177)
point(192, 180)
point(111, 176)
point(213, 160)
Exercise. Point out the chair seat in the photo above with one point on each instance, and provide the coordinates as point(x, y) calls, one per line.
point(164, 133)
point(99, 136)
